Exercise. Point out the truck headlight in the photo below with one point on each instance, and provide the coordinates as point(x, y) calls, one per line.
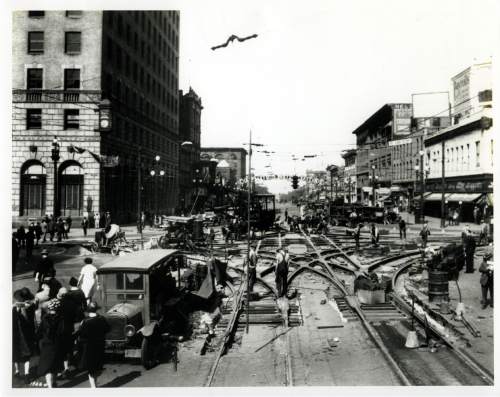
point(129, 330)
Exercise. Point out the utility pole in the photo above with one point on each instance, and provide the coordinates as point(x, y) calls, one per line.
point(422, 186)
point(443, 171)
point(248, 227)
point(139, 188)
point(373, 184)
point(443, 203)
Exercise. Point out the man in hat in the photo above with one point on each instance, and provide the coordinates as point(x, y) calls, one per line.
point(108, 220)
point(88, 279)
point(42, 268)
point(374, 233)
point(281, 272)
point(486, 281)
point(469, 250)
point(91, 334)
point(402, 228)
point(424, 234)
point(252, 267)
point(15, 252)
point(52, 282)
point(357, 235)
point(23, 332)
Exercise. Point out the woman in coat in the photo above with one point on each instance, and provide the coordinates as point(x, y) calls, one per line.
point(91, 336)
point(51, 351)
point(23, 331)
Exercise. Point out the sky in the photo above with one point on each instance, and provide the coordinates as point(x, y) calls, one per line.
point(318, 69)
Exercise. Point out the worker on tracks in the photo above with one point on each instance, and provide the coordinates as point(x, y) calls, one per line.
point(374, 233)
point(357, 235)
point(282, 258)
point(424, 234)
point(252, 267)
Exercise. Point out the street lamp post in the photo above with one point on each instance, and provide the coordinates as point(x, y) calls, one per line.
point(155, 173)
point(55, 158)
point(348, 183)
point(422, 186)
point(373, 178)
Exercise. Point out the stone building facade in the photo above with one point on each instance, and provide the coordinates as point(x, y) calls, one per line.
point(235, 157)
point(189, 156)
point(65, 63)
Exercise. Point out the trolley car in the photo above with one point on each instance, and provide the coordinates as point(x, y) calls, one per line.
point(262, 210)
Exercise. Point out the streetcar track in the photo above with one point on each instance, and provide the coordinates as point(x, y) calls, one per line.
point(326, 251)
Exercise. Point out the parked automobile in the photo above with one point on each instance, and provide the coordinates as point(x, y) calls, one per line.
point(145, 301)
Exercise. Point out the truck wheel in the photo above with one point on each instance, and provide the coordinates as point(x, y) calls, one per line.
point(163, 242)
point(149, 352)
point(115, 249)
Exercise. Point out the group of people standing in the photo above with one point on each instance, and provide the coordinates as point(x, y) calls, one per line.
point(29, 238)
point(58, 324)
point(281, 267)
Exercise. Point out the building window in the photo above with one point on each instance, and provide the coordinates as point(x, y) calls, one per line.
point(462, 157)
point(33, 177)
point(71, 119)
point(34, 79)
point(33, 119)
point(478, 154)
point(36, 14)
point(35, 42)
point(73, 43)
point(71, 82)
point(468, 156)
point(71, 189)
point(71, 79)
point(34, 82)
point(73, 14)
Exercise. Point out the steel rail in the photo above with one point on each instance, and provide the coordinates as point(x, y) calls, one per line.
point(481, 372)
point(370, 330)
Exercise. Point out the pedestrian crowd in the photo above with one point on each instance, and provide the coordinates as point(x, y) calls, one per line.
point(57, 327)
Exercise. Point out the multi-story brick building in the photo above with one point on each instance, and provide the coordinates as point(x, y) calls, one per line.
point(65, 63)
point(466, 148)
point(374, 158)
point(349, 180)
point(189, 132)
point(405, 154)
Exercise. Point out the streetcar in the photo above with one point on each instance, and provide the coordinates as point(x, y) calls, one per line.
point(262, 210)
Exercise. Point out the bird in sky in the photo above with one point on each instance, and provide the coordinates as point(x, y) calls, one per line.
point(232, 38)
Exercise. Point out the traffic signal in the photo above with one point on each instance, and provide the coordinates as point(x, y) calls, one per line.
point(295, 181)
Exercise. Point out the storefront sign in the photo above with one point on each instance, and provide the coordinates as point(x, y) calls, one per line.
point(400, 142)
point(461, 88)
point(401, 119)
point(461, 187)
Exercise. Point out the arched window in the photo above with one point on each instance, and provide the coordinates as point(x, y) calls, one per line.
point(33, 182)
point(71, 188)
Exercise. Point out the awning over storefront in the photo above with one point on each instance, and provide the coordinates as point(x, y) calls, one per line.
point(436, 197)
point(486, 199)
point(463, 197)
